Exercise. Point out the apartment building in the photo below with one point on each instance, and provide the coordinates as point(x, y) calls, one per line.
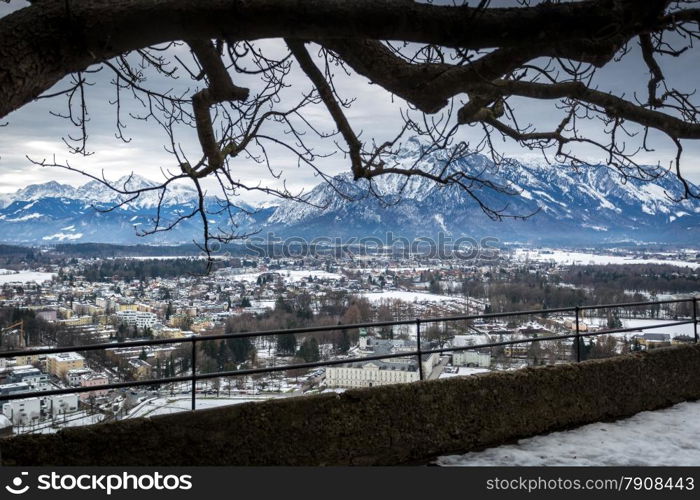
point(59, 364)
point(22, 411)
point(139, 319)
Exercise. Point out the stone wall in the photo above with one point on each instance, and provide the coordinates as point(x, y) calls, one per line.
point(384, 425)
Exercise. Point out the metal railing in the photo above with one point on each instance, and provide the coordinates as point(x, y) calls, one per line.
point(194, 377)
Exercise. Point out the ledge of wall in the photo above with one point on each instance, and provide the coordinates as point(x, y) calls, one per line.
point(382, 425)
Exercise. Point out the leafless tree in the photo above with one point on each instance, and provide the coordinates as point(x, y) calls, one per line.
point(463, 65)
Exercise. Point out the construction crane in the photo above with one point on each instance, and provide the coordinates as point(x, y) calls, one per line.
point(12, 328)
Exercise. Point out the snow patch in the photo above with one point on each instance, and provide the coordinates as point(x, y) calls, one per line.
point(25, 277)
point(441, 222)
point(651, 438)
point(63, 236)
point(23, 218)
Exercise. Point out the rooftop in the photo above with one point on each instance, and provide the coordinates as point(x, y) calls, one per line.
point(66, 356)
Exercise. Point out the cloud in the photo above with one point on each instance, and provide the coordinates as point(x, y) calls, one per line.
point(34, 132)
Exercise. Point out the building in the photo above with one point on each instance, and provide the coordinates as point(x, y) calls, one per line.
point(7, 389)
point(29, 375)
point(60, 404)
point(140, 369)
point(76, 321)
point(16, 366)
point(85, 309)
point(5, 426)
point(139, 319)
point(364, 339)
point(571, 324)
point(22, 411)
point(375, 346)
point(654, 340)
point(31, 410)
point(471, 358)
point(92, 380)
point(59, 364)
point(168, 332)
point(371, 374)
point(74, 376)
point(30, 359)
point(48, 315)
point(155, 352)
point(398, 370)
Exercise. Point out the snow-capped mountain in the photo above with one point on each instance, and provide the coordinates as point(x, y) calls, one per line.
point(50, 189)
point(98, 192)
point(590, 204)
point(53, 212)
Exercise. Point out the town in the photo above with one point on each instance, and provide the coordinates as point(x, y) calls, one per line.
point(48, 299)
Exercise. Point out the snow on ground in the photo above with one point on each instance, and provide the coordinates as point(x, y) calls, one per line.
point(166, 406)
point(336, 390)
point(170, 257)
point(262, 304)
point(464, 370)
point(651, 438)
point(644, 326)
point(76, 419)
point(410, 296)
point(581, 258)
point(84, 420)
point(25, 277)
point(399, 269)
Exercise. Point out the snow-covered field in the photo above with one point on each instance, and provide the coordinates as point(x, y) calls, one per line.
point(406, 296)
point(581, 258)
point(289, 276)
point(24, 276)
point(651, 438)
point(674, 331)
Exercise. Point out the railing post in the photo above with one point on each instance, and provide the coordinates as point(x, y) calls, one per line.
point(420, 361)
point(578, 336)
point(695, 318)
point(194, 373)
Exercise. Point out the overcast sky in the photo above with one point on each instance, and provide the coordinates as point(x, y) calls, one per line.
point(32, 131)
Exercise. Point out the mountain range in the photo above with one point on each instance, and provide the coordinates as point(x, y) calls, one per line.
point(588, 204)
